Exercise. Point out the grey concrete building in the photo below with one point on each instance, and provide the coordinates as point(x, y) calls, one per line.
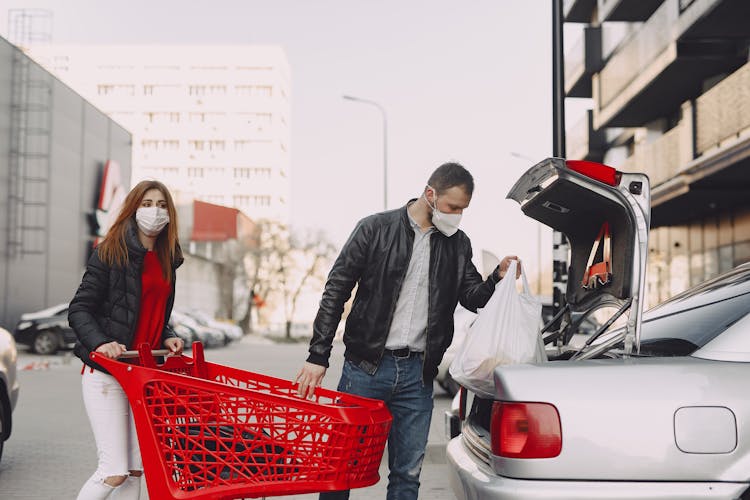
point(54, 147)
point(669, 83)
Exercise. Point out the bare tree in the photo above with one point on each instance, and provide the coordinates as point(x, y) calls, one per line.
point(304, 267)
point(262, 263)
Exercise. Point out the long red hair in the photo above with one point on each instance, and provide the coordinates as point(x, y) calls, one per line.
point(113, 249)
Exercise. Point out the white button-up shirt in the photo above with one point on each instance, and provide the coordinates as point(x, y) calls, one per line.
point(409, 324)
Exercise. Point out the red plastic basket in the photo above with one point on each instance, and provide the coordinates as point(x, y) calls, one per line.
point(212, 431)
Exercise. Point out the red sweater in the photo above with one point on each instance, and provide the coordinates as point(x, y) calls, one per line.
point(155, 291)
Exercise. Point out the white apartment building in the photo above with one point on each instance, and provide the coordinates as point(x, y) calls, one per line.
point(211, 122)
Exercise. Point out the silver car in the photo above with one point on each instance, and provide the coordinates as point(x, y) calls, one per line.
point(8, 385)
point(655, 409)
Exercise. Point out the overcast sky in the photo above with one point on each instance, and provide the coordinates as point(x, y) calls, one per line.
point(465, 81)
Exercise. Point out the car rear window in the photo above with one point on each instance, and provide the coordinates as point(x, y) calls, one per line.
point(681, 332)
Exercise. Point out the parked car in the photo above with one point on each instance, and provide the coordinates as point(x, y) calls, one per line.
point(656, 408)
point(45, 331)
point(231, 331)
point(9, 387)
point(187, 334)
point(208, 336)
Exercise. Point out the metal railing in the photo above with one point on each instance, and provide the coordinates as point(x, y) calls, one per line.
point(659, 159)
point(643, 47)
point(723, 111)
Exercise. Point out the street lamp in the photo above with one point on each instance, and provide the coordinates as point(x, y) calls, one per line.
point(385, 143)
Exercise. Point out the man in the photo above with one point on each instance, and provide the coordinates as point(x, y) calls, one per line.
point(412, 265)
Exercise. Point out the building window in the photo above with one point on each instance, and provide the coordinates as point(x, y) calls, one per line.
point(254, 68)
point(217, 90)
point(209, 68)
point(162, 68)
point(264, 91)
point(243, 90)
point(262, 201)
point(197, 117)
point(170, 145)
point(260, 120)
point(197, 90)
point(258, 201)
point(253, 90)
point(247, 144)
point(216, 199)
point(216, 145)
point(149, 145)
point(242, 145)
point(197, 145)
point(195, 172)
point(162, 117)
point(160, 90)
point(241, 200)
point(252, 173)
point(105, 89)
point(216, 171)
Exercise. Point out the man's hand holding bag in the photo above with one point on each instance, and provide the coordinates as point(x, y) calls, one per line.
point(505, 332)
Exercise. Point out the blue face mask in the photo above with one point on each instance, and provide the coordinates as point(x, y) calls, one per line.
point(443, 222)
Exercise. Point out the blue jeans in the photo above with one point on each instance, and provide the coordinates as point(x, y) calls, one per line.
point(398, 382)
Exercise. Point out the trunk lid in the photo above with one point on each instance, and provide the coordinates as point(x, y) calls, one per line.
point(585, 201)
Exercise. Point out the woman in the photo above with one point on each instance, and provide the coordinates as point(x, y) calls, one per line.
point(124, 300)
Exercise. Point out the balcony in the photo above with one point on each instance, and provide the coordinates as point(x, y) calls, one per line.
point(723, 112)
point(714, 177)
point(667, 60)
point(627, 10)
point(661, 159)
point(583, 60)
point(582, 142)
point(578, 11)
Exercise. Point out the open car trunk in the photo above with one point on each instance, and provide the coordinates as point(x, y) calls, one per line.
point(591, 203)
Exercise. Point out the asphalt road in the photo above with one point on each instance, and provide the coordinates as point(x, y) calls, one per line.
point(51, 451)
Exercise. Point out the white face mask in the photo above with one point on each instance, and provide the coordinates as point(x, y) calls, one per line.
point(151, 220)
point(445, 223)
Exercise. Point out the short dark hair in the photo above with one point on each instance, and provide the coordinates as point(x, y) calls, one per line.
point(449, 175)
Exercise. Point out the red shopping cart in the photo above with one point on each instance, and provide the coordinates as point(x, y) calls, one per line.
point(211, 431)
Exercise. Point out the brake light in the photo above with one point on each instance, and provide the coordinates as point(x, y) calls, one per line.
point(525, 430)
point(596, 171)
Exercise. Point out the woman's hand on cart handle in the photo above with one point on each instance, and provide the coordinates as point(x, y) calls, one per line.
point(310, 377)
point(175, 345)
point(112, 350)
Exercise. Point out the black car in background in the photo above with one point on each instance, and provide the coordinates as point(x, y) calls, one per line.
point(45, 331)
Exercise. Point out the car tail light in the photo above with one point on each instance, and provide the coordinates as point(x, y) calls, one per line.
point(596, 171)
point(525, 430)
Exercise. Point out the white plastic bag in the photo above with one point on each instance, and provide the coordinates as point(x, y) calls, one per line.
point(505, 332)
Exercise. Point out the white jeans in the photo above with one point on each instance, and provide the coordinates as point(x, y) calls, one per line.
point(116, 441)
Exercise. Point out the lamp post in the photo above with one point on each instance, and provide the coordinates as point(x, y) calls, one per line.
point(559, 242)
point(385, 143)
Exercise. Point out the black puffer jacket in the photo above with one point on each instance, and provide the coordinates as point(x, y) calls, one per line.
point(107, 302)
point(376, 257)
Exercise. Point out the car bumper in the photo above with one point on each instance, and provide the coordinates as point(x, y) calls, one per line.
point(472, 479)
point(25, 336)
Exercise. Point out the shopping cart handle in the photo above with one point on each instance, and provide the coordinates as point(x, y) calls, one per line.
point(154, 352)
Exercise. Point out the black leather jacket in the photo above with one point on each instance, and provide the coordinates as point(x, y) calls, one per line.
point(106, 304)
point(375, 258)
